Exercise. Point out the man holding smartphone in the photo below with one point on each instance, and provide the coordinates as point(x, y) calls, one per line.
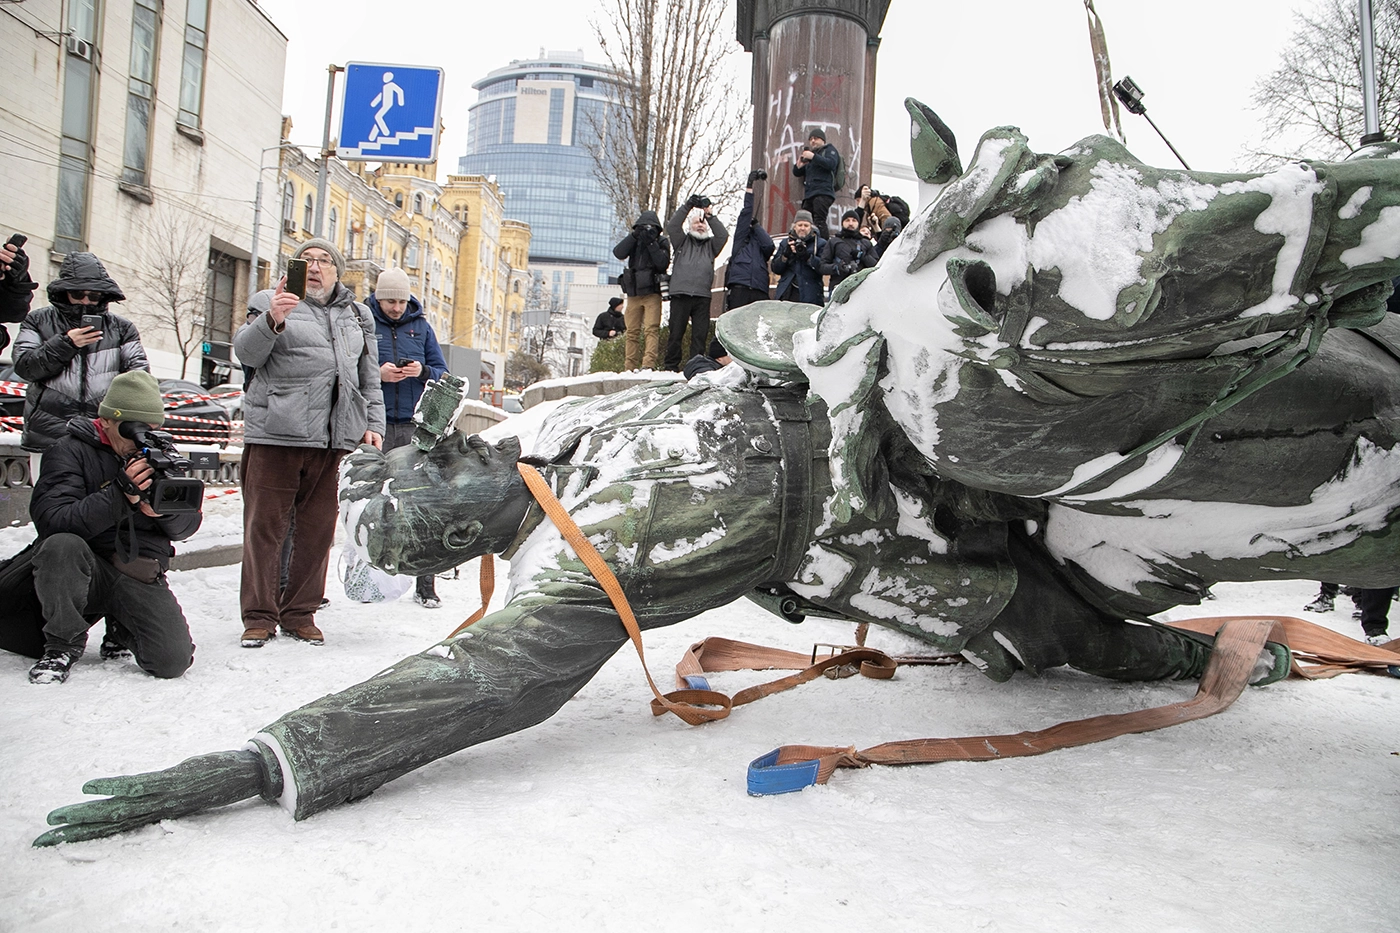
point(410, 356)
point(315, 397)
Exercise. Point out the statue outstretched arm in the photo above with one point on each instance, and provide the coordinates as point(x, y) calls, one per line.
point(199, 783)
point(510, 671)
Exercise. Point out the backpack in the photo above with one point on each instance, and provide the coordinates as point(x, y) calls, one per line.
point(899, 208)
point(839, 176)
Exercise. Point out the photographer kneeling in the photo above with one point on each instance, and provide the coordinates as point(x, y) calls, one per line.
point(102, 548)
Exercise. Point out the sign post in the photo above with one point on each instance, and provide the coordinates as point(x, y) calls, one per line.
point(389, 113)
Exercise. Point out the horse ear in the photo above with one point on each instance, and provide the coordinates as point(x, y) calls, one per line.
point(932, 145)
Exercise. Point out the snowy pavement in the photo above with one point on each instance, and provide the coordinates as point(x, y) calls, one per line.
point(1279, 814)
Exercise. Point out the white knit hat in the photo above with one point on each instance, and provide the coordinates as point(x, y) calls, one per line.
point(392, 286)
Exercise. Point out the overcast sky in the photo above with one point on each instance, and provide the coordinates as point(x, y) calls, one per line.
point(1019, 62)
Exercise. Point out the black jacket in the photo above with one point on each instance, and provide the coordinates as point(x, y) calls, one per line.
point(65, 381)
point(16, 290)
point(799, 261)
point(846, 254)
point(76, 493)
point(753, 247)
point(819, 175)
point(609, 320)
point(647, 253)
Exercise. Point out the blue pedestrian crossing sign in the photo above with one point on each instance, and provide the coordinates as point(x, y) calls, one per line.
point(389, 113)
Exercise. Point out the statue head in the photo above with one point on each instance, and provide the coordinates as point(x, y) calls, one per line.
point(417, 512)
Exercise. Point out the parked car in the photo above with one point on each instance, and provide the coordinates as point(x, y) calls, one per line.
point(230, 396)
point(191, 415)
point(12, 389)
point(511, 405)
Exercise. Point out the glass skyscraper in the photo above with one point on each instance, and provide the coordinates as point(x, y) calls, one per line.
point(530, 128)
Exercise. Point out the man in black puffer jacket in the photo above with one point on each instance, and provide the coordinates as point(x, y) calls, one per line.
point(102, 549)
point(848, 252)
point(70, 366)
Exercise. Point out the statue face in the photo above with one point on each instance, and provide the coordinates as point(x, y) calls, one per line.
point(415, 511)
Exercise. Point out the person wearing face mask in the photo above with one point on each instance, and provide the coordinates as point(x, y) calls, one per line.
point(70, 365)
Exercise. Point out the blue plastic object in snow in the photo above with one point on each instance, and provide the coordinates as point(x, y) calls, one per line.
point(767, 777)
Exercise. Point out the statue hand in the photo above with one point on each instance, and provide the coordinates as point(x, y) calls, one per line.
point(199, 783)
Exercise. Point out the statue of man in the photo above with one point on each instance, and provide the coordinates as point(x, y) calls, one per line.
point(1009, 448)
point(695, 494)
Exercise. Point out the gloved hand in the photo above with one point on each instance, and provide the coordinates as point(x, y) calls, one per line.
point(199, 783)
point(757, 174)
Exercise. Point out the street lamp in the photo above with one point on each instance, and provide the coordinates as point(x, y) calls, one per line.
point(1130, 95)
point(257, 205)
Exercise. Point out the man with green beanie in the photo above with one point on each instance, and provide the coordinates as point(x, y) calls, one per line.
point(102, 549)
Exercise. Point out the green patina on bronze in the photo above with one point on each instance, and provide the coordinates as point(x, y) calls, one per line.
point(838, 499)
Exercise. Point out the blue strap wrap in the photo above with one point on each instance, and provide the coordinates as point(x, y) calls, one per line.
point(696, 682)
point(766, 777)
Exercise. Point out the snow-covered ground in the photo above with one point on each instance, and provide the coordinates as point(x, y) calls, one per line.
point(1279, 814)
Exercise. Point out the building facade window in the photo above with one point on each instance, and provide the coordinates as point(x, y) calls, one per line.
point(219, 323)
point(417, 204)
point(398, 199)
point(141, 92)
point(75, 148)
point(556, 117)
point(308, 213)
point(192, 68)
point(335, 223)
point(289, 203)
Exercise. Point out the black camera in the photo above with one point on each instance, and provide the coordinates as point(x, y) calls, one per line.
point(171, 490)
point(700, 200)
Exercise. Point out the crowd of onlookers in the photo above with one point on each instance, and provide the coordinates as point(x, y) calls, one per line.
point(677, 262)
point(324, 373)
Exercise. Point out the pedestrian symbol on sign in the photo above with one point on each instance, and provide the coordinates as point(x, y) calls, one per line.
point(390, 113)
point(385, 100)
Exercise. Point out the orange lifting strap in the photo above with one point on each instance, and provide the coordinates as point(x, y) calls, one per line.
point(1238, 642)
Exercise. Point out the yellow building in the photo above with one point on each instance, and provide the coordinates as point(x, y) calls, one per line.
point(466, 263)
point(515, 254)
point(493, 261)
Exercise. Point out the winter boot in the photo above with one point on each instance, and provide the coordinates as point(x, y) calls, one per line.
point(52, 668)
point(1321, 604)
point(114, 642)
point(308, 633)
point(425, 593)
point(256, 637)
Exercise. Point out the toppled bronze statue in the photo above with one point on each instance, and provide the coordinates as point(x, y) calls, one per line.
point(1079, 391)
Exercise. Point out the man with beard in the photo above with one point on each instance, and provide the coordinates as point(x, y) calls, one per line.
point(797, 262)
point(698, 237)
point(316, 396)
point(848, 252)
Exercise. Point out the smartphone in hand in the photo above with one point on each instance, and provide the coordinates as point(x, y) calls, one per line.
point(92, 320)
point(296, 277)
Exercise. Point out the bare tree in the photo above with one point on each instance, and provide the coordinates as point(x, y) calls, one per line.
point(173, 278)
point(1312, 101)
point(675, 128)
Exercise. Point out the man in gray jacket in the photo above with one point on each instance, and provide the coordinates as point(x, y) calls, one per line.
point(315, 397)
point(698, 237)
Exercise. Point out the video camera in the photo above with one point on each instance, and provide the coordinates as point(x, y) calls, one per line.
point(171, 490)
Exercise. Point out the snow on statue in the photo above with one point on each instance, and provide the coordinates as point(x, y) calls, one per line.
point(1078, 391)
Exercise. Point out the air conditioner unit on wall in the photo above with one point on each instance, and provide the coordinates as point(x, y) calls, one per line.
point(80, 47)
point(289, 226)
